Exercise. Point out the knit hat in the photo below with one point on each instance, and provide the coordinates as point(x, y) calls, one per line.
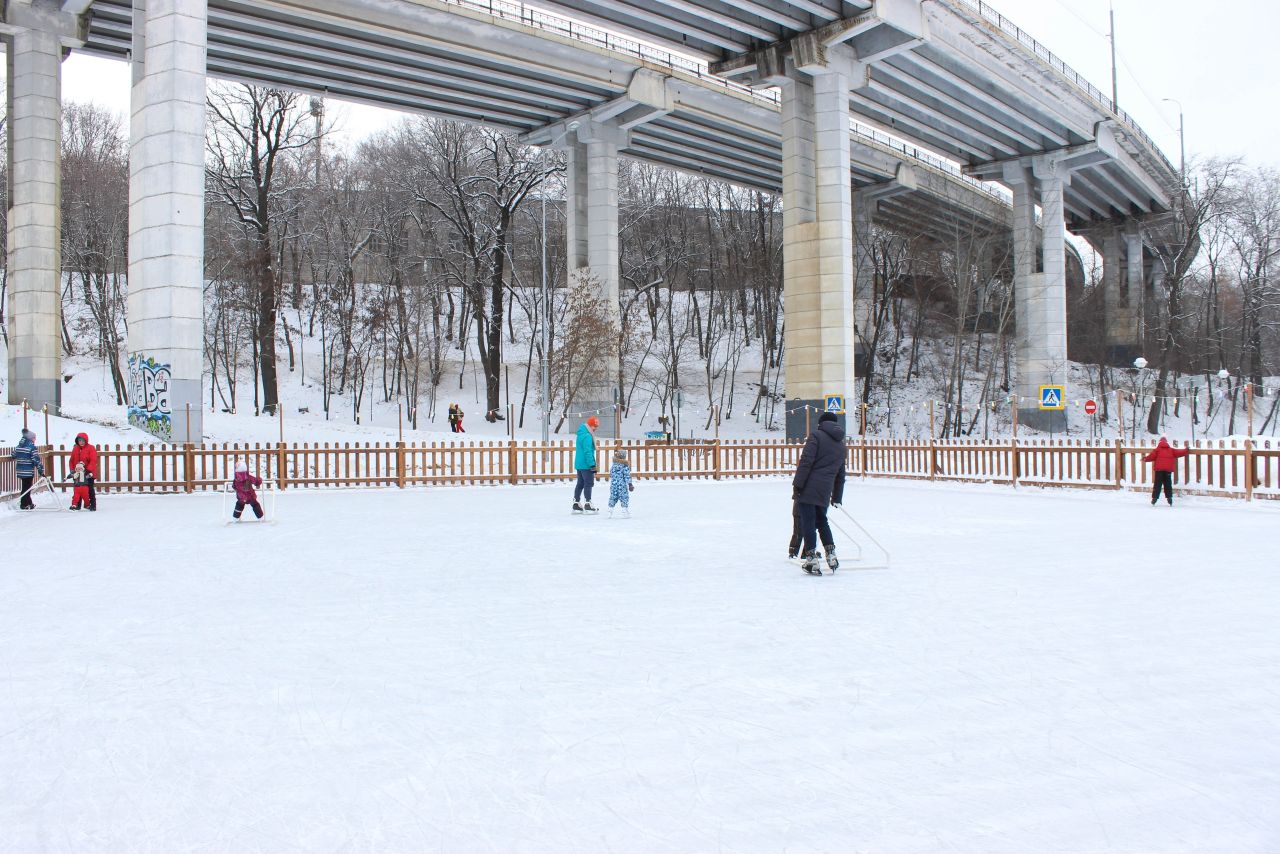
point(620, 456)
point(827, 416)
point(593, 422)
point(29, 435)
point(241, 466)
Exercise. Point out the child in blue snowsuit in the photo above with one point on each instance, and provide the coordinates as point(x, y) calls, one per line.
point(620, 485)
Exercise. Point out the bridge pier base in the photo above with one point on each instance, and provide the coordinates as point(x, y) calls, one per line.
point(33, 48)
point(817, 242)
point(166, 218)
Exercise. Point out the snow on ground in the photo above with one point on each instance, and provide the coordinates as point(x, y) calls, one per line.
point(476, 670)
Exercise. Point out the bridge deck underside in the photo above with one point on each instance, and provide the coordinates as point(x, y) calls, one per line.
point(289, 48)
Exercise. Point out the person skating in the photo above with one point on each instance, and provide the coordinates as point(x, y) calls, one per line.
point(584, 462)
point(1164, 462)
point(620, 485)
point(83, 452)
point(80, 495)
point(26, 460)
point(819, 482)
point(245, 495)
point(824, 535)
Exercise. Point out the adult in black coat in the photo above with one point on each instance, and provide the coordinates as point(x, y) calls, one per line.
point(819, 480)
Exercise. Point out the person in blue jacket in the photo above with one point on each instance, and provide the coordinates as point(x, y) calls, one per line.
point(584, 461)
point(27, 461)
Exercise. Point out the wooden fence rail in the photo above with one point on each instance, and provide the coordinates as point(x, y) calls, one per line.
point(1214, 467)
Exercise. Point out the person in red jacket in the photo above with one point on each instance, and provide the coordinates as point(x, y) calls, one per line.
point(85, 453)
point(1164, 460)
point(244, 483)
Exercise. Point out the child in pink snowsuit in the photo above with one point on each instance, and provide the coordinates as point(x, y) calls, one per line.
point(244, 484)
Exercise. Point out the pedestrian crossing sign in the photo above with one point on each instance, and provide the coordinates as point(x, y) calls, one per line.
point(1052, 397)
point(835, 404)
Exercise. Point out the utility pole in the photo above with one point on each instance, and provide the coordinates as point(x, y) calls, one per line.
point(1115, 91)
point(1182, 142)
point(317, 112)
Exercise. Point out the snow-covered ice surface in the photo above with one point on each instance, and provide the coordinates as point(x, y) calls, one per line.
point(472, 670)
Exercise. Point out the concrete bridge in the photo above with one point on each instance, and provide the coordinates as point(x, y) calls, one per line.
point(795, 101)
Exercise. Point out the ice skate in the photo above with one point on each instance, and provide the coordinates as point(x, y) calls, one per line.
point(833, 563)
point(577, 507)
point(812, 563)
point(626, 512)
point(589, 508)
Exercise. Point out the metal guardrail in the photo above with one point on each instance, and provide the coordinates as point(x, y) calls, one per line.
point(518, 12)
point(1023, 38)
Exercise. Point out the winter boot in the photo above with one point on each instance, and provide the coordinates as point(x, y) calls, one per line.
point(832, 563)
point(812, 563)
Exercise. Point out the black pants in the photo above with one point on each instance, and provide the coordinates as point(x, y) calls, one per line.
point(797, 536)
point(257, 509)
point(1164, 479)
point(813, 519)
point(93, 496)
point(586, 480)
point(24, 486)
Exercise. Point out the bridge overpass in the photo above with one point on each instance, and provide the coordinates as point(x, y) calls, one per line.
point(788, 112)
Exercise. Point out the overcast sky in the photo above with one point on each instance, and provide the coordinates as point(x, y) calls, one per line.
point(1220, 60)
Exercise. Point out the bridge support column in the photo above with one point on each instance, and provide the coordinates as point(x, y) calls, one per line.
point(817, 241)
point(864, 282)
point(1118, 339)
point(166, 218)
point(1040, 287)
point(592, 230)
point(37, 33)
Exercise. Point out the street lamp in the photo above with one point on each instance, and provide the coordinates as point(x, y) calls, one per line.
point(1138, 364)
point(1182, 141)
point(546, 299)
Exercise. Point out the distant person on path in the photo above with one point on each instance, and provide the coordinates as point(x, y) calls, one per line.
point(87, 454)
point(584, 462)
point(1164, 460)
point(819, 482)
point(453, 418)
point(244, 484)
point(457, 419)
point(28, 463)
point(620, 485)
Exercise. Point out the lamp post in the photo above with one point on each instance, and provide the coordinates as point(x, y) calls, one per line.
point(1139, 365)
point(546, 298)
point(1182, 141)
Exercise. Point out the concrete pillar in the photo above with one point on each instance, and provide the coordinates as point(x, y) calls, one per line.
point(592, 230)
point(34, 240)
point(1040, 287)
point(817, 247)
point(166, 218)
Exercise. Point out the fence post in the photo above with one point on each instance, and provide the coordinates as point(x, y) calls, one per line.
point(1248, 467)
point(933, 454)
point(189, 464)
point(281, 478)
point(400, 464)
point(512, 461)
point(1015, 464)
point(1119, 464)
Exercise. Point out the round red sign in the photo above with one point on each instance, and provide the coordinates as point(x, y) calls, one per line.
point(1090, 407)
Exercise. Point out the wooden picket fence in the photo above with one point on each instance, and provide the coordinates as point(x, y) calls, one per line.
point(1215, 467)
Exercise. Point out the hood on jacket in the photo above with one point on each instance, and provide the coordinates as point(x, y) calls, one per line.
point(1163, 443)
point(84, 436)
point(832, 429)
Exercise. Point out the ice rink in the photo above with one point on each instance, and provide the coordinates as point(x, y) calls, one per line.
point(475, 670)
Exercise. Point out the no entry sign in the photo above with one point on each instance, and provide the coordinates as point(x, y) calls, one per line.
point(1090, 407)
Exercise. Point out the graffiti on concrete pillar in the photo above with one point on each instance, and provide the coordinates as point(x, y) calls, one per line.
point(149, 396)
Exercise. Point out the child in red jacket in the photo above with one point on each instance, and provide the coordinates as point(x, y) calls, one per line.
point(79, 497)
point(1164, 460)
point(244, 484)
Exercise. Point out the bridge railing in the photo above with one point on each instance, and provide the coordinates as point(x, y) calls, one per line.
point(1096, 94)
